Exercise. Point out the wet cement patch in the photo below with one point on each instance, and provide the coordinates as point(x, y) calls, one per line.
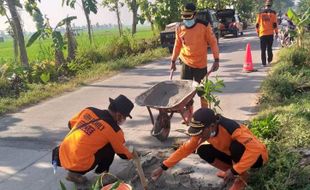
point(188, 175)
point(191, 173)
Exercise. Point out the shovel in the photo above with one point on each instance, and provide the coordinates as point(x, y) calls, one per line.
point(137, 163)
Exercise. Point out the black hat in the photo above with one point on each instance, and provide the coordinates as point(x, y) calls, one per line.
point(202, 118)
point(122, 105)
point(188, 11)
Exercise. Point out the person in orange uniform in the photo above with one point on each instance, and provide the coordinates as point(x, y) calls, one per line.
point(191, 45)
point(266, 26)
point(193, 37)
point(94, 138)
point(223, 143)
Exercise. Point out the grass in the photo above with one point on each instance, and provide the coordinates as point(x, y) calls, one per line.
point(39, 92)
point(101, 37)
point(283, 123)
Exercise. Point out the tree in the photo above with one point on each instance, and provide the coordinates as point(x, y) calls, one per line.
point(72, 44)
point(11, 29)
point(48, 32)
point(147, 9)
point(245, 9)
point(282, 5)
point(133, 5)
point(215, 4)
point(301, 23)
point(303, 5)
point(115, 5)
point(12, 4)
point(162, 12)
point(87, 6)
point(32, 8)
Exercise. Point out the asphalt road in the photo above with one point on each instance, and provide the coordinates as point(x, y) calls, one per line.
point(27, 137)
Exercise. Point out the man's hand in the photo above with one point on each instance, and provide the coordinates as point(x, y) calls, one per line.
point(215, 66)
point(157, 173)
point(172, 65)
point(228, 176)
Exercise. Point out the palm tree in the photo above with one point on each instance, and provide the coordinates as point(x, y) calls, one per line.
point(12, 4)
point(87, 6)
point(58, 42)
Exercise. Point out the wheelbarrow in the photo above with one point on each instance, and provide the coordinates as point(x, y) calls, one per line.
point(168, 97)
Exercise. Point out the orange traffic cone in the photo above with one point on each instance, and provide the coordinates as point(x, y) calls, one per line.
point(248, 63)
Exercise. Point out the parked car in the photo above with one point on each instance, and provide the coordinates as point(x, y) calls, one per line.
point(229, 22)
point(167, 37)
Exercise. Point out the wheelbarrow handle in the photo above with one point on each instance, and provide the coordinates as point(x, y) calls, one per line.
point(171, 74)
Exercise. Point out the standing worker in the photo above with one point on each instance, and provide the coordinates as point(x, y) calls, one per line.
point(191, 46)
point(223, 143)
point(94, 138)
point(266, 26)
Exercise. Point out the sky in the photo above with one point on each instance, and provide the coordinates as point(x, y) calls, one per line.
point(55, 12)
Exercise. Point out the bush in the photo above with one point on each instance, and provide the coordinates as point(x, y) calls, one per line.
point(284, 123)
point(77, 66)
point(295, 56)
point(5, 88)
point(92, 54)
point(282, 134)
point(282, 171)
point(12, 87)
point(277, 88)
point(266, 128)
point(43, 68)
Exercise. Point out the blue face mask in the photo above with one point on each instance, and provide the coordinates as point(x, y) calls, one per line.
point(189, 23)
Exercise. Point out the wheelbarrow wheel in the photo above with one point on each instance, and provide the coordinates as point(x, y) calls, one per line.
point(161, 128)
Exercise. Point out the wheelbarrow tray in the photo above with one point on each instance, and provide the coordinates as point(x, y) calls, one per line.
point(168, 95)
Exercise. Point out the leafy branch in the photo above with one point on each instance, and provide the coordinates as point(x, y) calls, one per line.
point(207, 89)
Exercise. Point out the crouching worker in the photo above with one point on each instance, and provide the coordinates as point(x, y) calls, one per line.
point(94, 138)
point(223, 143)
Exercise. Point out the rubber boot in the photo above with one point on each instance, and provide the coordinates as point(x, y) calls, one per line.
point(107, 178)
point(222, 166)
point(240, 182)
point(76, 177)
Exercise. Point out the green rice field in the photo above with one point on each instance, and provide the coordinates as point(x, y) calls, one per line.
point(101, 37)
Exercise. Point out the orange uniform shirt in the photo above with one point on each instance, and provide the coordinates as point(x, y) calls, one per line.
point(253, 147)
point(266, 23)
point(77, 151)
point(191, 45)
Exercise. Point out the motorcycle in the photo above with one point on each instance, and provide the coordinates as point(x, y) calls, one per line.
point(287, 34)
